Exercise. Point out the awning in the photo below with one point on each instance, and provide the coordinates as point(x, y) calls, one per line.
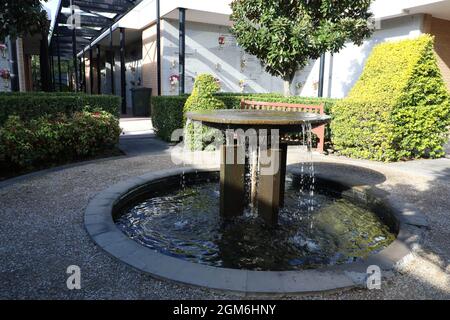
point(93, 18)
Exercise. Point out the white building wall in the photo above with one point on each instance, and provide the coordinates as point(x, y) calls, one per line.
point(231, 65)
point(349, 63)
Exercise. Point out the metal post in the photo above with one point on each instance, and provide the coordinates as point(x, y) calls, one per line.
point(99, 74)
point(74, 48)
point(111, 61)
point(123, 85)
point(158, 45)
point(182, 49)
point(84, 72)
point(80, 75)
point(321, 75)
point(52, 68)
point(59, 62)
point(14, 65)
point(91, 71)
point(44, 61)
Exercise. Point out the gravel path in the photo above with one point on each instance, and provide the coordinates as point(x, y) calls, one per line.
point(42, 233)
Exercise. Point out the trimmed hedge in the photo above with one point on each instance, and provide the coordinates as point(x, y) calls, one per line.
point(201, 99)
point(33, 105)
point(53, 140)
point(399, 109)
point(167, 111)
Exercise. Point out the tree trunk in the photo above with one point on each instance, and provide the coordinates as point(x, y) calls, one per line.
point(287, 88)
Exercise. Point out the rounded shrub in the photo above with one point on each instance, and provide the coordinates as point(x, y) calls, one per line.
point(201, 99)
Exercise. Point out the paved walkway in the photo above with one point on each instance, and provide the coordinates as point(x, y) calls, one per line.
point(42, 231)
point(138, 137)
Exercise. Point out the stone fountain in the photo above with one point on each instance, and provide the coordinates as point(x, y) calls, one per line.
point(166, 223)
point(264, 129)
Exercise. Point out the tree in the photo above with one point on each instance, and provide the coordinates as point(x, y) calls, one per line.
point(21, 18)
point(286, 34)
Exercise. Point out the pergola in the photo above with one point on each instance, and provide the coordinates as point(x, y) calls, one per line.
point(78, 24)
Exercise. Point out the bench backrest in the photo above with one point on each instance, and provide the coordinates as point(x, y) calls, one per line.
point(281, 106)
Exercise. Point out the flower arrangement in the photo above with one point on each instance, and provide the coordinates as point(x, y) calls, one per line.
point(3, 49)
point(221, 41)
point(242, 85)
point(299, 85)
point(217, 80)
point(174, 80)
point(5, 74)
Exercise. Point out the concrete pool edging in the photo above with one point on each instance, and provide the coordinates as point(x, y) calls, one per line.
point(100, 225)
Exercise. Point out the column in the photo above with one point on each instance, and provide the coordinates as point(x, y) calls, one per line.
point(182, 49)
point(158, 45)
point(111, 61)
point(123, 85)
point(99, 74)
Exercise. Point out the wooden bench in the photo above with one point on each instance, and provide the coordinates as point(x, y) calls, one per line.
point(319, 131)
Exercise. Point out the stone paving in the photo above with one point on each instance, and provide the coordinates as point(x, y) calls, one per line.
point(42, 231)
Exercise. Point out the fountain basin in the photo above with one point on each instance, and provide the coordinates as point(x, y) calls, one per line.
point(99, 221)
point(285, 121)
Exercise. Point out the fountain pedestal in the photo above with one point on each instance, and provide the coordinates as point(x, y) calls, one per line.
point(271, 184)
point(270, 192)
point(232, 183)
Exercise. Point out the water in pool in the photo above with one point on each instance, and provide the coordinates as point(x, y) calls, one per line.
point(314, 230)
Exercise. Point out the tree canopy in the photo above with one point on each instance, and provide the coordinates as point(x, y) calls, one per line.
point(286, 34)
point(21, 18)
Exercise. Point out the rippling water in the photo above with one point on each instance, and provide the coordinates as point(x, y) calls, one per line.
point(186, 225)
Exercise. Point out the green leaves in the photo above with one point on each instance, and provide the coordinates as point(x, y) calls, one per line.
point(399, 109)
point(286, 34)
point(202, 98)
point(52, 140)
point(21, 18)
point(36, 104)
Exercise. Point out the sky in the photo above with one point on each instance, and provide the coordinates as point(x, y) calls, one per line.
point(52, 5)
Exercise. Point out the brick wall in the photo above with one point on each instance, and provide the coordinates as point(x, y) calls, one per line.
point(440, 29)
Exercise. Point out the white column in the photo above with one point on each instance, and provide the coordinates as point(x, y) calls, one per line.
point(21, 65)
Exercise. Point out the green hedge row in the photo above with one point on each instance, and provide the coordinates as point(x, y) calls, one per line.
point(33, 105)
point(167, 111)
point(58, 139)
point(399, 109)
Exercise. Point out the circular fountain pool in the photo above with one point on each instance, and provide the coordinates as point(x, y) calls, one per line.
point(315, 229)
point(175, 236)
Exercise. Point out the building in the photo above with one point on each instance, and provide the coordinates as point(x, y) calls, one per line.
point(16, 60)
point(195, 38)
